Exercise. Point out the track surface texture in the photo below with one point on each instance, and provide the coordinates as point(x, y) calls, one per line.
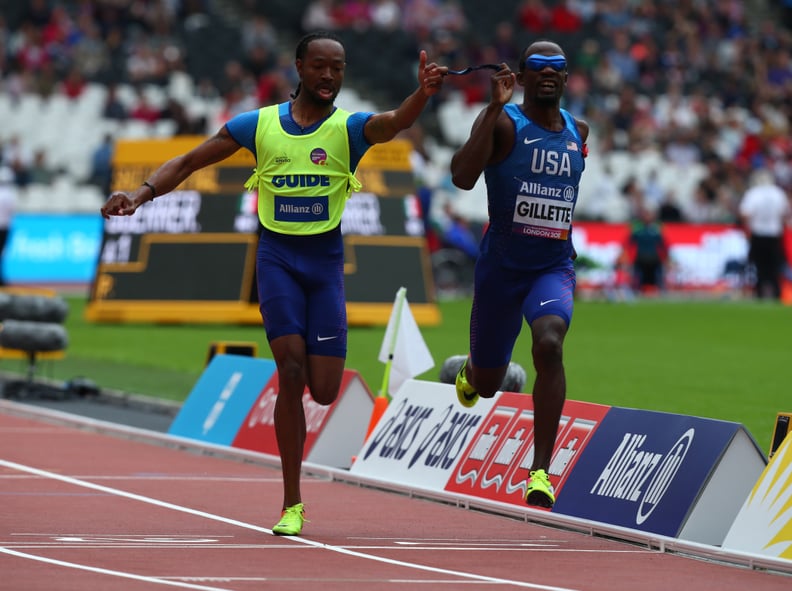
point(91, 509)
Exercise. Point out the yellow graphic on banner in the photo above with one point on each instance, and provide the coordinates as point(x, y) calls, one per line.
point(764, 524)
point(775, 488)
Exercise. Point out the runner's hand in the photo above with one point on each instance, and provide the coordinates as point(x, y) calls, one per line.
point(120, 203)
point(430, 76)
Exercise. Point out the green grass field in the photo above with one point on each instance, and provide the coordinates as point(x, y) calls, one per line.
point(725, 360)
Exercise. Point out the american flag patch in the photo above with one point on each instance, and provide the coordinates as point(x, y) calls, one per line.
point(572, 146)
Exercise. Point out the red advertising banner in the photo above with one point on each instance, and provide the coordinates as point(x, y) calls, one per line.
point(708, 257)
point(342, 423)
point(257, 433)
point(496, 463)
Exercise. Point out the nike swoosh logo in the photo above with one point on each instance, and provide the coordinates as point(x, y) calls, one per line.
point(526, 141)
point(548, 301)
point(321, 338)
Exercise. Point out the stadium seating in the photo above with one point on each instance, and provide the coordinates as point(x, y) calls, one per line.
point(380, 72)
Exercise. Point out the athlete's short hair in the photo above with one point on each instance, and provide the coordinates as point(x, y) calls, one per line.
point(302, 45)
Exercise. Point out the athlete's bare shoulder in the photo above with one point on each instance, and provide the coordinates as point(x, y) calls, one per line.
point(583, 128)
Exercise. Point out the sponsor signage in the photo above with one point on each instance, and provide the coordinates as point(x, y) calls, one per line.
point(46, 248)
point(257, 431)
point(645, 470)
point(221, 398)
point(673, 475)
point(334, 432)
point(153, 266)
point(764, 523)
point(497, 461)
point(421, 436)
point(233, 404)
point(701, 256)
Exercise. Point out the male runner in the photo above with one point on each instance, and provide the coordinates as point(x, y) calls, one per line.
point(532, 157)
point(307, 151)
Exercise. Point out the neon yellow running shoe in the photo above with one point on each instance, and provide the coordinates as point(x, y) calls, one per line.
point(540, 491)
point(466, 394)
point(291, 521)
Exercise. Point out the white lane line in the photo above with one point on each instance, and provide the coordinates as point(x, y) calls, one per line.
point(242, 524)
point(147, 477)
point(104, 571)
point(146, 546)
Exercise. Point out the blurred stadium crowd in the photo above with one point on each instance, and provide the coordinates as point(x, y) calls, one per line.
point(686, 99)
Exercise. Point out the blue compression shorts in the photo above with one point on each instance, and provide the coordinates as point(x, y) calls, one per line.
point(301, 289)
point(503, 297)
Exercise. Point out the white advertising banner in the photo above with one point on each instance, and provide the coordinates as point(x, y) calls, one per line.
point(421, 436)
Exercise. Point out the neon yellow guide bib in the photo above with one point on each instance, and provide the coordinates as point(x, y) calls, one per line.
point(303, 181)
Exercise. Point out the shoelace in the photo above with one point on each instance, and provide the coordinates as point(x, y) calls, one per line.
point(541, 476)
point(295, 510)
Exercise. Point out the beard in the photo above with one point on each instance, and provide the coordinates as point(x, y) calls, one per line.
point(320, 100)
point(547, 100)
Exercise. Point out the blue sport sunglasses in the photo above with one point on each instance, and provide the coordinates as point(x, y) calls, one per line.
point(540, 62)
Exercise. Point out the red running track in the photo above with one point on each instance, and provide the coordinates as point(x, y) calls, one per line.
point(89, 510)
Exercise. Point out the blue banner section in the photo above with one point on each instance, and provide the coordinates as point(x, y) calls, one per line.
point(644, 470)
point(221, 398)
point(50, 248)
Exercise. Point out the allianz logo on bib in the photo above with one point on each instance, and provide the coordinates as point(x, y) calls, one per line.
point(639, 475)
point(301, 209)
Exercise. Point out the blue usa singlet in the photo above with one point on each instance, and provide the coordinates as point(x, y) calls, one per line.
point(532, 194)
